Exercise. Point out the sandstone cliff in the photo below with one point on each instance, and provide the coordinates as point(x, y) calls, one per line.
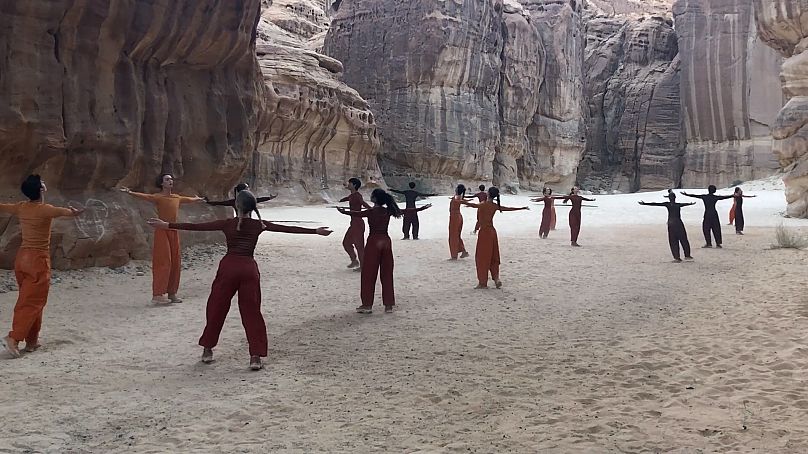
point(730, 92)
point(783, 25)
point(104, 94)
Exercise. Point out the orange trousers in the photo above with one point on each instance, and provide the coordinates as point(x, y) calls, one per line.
point(33, 272)
point(456, 245)
point(166, 262)
point(732, 214)
point(487, 254)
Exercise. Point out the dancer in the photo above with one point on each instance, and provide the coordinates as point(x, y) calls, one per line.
point(237, 273)
point(166, 255)
point(355, 235)
point(575, 214)
point(232, 202)
point(486, 256)
point(410, 213)
point(481, 196)
point(740, 222)
point(711, 222)
point(378, 251)
point(548, 213)
point(676, 228)
point(32, 266)
point(456, 245)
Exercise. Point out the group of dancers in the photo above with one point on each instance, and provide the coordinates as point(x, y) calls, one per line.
point(239, 273)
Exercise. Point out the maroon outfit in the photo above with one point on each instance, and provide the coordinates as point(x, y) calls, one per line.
point(355, 236)
point(547, 217)
point(575, 215)
point(378, 257)
point(238, 273)
point(482, 196)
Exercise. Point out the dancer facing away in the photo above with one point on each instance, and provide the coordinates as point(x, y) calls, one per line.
point(378, 251)
point(575, 214)
point(732, 213)
point(481, 196)
point(232, 202)
point(355, 235)
point(456, 245)
point(711, 222)
point(486, 256)
point(548, 213)
point(676, 228)
point(739, 219)
point(32, 265)
point(410, 213)
point(166, 248)
point(237, 273)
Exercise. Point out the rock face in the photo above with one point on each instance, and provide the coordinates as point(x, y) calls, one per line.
point(783, 25)
point(315, 131)
point(104, 94)
point(635, 138)
point(474, 90)
point(730, 92)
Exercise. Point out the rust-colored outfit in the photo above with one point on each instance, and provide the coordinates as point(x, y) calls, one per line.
point(378, 258)
point(482, 196)
point(32, 266)
point(238, 273)
point(553, 217)
point(486, 256)
point(547, 216)
point(355, 235)
point(166, 247)
point(732, 213)
point(456, 245)
point(575, 215)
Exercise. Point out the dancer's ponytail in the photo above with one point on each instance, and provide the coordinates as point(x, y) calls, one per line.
point(386, 200)
point(460, 190)
point(493, 193)
point(245, 205)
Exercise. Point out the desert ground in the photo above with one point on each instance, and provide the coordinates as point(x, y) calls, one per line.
point(606, 348)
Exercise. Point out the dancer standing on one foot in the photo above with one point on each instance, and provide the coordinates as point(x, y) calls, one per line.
point(456, 245)
point(378, 251)
point(410, 213)
point(237, 273)
point(548, 213)
point(232, 202)
point(355, 235)
point(740, 222)
point(32, 267)
point(711, 222)
point(575, 214)
point(166, 255)
point(486, 256)
point(676, 228)
point(481, 196)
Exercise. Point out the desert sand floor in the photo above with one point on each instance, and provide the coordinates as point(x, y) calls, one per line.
point(607, 348)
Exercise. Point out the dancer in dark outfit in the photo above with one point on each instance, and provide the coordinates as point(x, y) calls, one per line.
point(548, 213)
point(355, 235)
point(238, 273)
point(739, 219)
point(410, 214)
point(378, 251)
point(711, 222)
point(232, 202)
point(575, 214)
point(676, 228)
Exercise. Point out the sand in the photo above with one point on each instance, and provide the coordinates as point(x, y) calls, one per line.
point(606, 348)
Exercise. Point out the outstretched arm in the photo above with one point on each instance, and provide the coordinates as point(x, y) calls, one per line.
point(426, 195)
point(270, 227)
point(653, 204)
point(199, 227)
point(513, 209)
point(266, 199)
point(222, 203)
point(722, 197)
point(470, 204)
point(139, 195)
point(428, 205)
point(194, 199)
point(695, 196)
point(396, 191)
point(348, 212)
point(10, 208)
point(749, 196)
point(588, 200)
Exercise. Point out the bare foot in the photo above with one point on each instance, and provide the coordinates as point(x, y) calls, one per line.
point(207, 355)
point(464, 255)
point(677, 260)
point(688, 258)
point(576, 245)
point(364, 310)
point(388, 309)
point(708, 246)
point(12, 346)
point(719, 246)
point(174, 299)
point(354, 264)
point(255, 363)
point(32, 347)
point(498, 283)
point(481, 287)
point(357, 269)
point(160, 299)
point(452, 258)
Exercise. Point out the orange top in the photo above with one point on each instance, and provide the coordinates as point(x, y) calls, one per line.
point(167, 206)
point(454, 205)
point(485, 213)
point(35, 222)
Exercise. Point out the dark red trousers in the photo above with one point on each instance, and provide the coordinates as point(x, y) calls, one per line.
point(378, 258)
point(236, 274)
point(355, 238)
point(575, 225)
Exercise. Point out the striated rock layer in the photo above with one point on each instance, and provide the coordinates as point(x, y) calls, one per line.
point(783, 25)
point(730, 92)
point(104, 94)
point(635, 139)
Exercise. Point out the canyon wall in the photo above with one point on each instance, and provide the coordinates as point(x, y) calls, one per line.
point(783, 25)
point(99, 95)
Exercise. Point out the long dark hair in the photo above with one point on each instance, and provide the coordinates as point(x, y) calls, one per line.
point(32, 187)
point(238, 188)
point(493, 193)
point(245, 205)
point(460, 190)
point(386, 200)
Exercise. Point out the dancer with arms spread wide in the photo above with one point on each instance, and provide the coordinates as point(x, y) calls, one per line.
point(481, 197)
point(548, 213)
point(410, 212)
point(32, 266)
point(456, 245)
point(740, 221)
point(575, 214)
point(676, 228)
point(711, 222)
point(355, 235)
point(237, 273)
point(232, 202)
point(487, 256)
